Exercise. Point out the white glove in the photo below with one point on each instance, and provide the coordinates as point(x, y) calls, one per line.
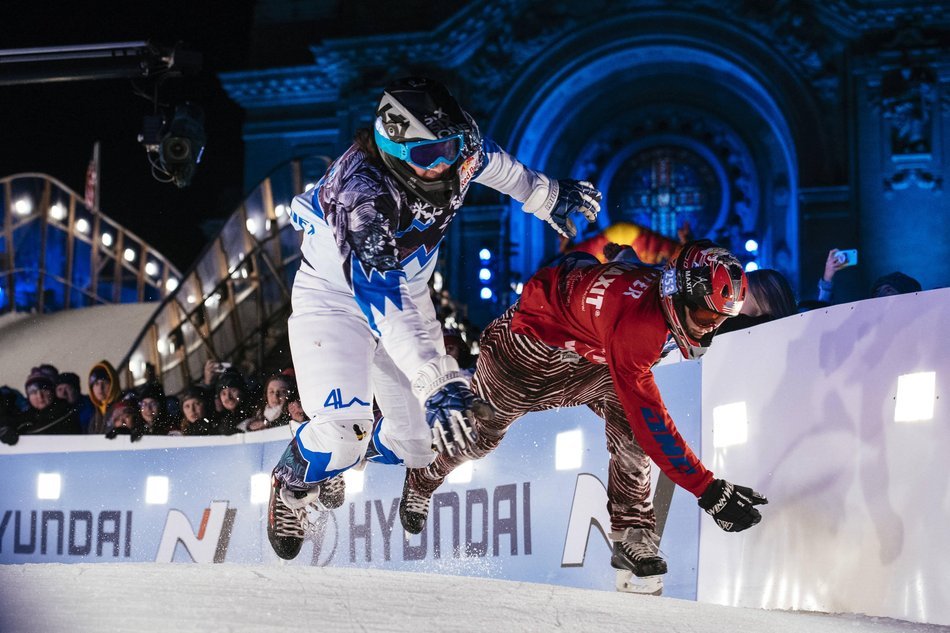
point(555, 200)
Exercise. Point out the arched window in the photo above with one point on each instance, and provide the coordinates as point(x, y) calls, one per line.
point(663, 187)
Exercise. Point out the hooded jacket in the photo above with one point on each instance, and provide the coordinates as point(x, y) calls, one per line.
point(97, 425)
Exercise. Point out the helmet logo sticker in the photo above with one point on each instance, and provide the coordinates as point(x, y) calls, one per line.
point(396, 124)
point(437, 114)
point(467, 170)
point(696, 282)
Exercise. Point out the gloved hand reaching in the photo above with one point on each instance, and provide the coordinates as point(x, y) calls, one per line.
point(555, 203)
point(449, 414)
point(9, 434)
point(134, 434)
point(732, 506)
point(450, 406)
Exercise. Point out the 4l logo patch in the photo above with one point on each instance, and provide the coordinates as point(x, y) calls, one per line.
point(335, 400)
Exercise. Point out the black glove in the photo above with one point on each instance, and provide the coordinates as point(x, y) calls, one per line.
point(9, 434)
point(731, 505)
point(114, 431)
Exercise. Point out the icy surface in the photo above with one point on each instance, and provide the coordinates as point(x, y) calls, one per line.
point(148, 597)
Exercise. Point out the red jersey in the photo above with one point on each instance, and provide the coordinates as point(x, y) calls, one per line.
point(611, 314)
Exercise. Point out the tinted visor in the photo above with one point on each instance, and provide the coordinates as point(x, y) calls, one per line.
point(704, 317)
point(427, 155)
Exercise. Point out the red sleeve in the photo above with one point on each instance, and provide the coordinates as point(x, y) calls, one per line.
point(650, 421)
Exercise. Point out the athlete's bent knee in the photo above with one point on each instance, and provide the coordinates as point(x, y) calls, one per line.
point(332, 446)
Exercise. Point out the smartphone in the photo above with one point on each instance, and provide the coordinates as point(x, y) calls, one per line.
point(848, 257)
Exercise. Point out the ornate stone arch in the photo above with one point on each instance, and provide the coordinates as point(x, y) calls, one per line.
point(578, 89)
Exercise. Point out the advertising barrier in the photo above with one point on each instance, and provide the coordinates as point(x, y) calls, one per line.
point(514, 515)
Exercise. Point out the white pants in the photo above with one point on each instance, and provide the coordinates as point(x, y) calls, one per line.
point(340, 367)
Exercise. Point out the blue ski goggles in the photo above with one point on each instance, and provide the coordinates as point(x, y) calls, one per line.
point(423, 154)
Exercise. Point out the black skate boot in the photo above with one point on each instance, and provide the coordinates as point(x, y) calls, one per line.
point(636, 557)
point(413, 508)
point(332, 492)
point(287, 522)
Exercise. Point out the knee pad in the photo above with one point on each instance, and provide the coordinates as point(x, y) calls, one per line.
point(332, 446)
point(411, 452)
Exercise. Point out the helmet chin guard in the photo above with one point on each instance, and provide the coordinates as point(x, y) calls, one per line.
point(701, 275)
point(414, 110)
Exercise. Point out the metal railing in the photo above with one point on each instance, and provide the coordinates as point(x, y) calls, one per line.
point(57, 254)
point(234, 302)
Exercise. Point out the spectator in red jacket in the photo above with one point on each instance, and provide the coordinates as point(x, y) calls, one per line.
point(585, 333)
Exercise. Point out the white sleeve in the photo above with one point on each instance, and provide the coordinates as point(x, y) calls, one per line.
point(503, 172)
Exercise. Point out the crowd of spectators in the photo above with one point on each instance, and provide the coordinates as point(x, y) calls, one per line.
point(223, 402)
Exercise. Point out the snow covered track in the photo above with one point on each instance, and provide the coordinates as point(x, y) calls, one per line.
point(145, 597)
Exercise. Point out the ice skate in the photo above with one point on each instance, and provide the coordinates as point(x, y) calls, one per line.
point(287, 522)
point(413, 508)
point(332, 492)
point(637, 559)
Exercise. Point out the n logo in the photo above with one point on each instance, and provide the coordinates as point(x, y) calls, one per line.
point(589, 510)
point(209, 545)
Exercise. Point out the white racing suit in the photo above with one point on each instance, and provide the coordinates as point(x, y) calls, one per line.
point(363, 323)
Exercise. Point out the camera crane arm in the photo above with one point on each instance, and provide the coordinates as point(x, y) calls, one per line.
point(115, 60)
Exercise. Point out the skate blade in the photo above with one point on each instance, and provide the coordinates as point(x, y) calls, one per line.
point(626, 582)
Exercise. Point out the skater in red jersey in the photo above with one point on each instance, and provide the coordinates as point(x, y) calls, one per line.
point(585, 333)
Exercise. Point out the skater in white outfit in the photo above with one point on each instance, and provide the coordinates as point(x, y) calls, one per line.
point(363, 325)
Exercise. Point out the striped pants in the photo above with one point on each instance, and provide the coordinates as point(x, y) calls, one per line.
point(518, 374)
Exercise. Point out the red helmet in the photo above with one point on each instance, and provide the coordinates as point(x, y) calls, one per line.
point(702, 285)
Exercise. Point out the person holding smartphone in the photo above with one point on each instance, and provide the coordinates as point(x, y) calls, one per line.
point(837, 259)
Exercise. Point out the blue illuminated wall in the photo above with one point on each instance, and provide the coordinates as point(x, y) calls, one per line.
point(813, 124)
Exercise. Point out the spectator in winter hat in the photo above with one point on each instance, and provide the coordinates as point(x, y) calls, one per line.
point(103, 391)
point(236, 408)
point(46, 415)
point(896, 283)
point(197, 417)
point(67, 388)
point(154, 409)
point(125, 419)
point(47, 370)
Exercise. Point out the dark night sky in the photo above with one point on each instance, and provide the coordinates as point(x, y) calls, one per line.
point(51, 127)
